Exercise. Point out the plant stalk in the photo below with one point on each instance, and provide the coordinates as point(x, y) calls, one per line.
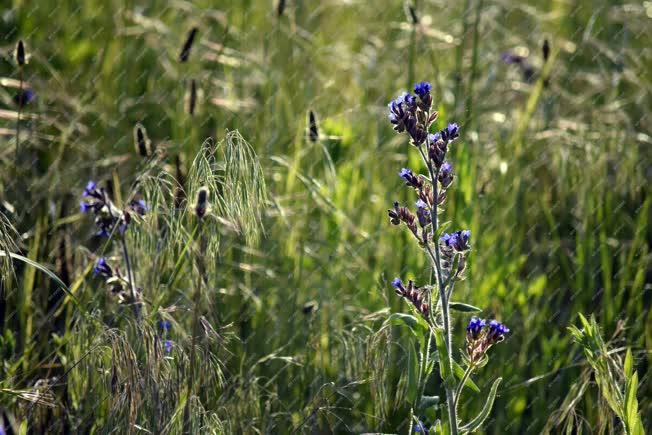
point(441, 287)
point(195, 328)
point(130, 275)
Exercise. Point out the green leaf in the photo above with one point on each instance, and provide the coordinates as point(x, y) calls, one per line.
point(443, 355)
point(459, 373)
point(475, 424)
point(428, 401)
point(43, 269)
point(464, 308)
point(413, 375)
point(629, 364)
point(632, 419)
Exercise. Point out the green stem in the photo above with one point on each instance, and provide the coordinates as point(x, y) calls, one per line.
point(460, 387)
point(130, 276)
point(450, 398)
point(20, 110)
point(195, 328)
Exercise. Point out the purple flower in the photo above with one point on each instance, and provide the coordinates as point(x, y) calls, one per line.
point(475, 327)
point(102, 268)
point(423, 213)
point(497, 332)
point(165, 325)
point(446, 175)
point(139, 206)
point(167, 345)
point(90, 189)
point(459, 240)
point(397, 283)
point(422, 89)
point(84, 206)
point(24, 97)
point(410, 179)
point(453, 131)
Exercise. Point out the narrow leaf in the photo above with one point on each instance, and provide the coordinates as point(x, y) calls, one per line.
point(459, 373)
point(464, 308)
point(43, 269)
point(475, 424)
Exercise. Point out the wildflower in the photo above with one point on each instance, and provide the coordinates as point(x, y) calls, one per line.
point(24, 97)
point(411, 179)
point(459, 240)
point(165, 325)
point(107, 215)
point(446, 175)
point(413, 294)
point(402, 214)
point(496, 332)
point(102, 268)
point(420, 428)
point(167, 345)
point(450, 133)
point(423, 213)
point(423, 91)
point(403, 114)
point(397, 114)
point(437, 149)
point(474, 328)
point(139, 206)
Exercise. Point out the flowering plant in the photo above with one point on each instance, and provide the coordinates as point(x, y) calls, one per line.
point(447, 252)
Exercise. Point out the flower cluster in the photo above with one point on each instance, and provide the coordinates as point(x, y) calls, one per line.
point(107, 216)
point(411, 114)
point(166, 326)
point(413, 294)
point(480, 336)
point(118, 283)
point(452, 244)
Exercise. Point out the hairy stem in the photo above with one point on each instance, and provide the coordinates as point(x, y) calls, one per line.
point(441, 287)
point(460, 387)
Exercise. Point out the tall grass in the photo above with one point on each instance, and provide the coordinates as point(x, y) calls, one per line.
point(294, 333)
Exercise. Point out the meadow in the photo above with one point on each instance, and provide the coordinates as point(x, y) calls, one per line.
point(273, 310)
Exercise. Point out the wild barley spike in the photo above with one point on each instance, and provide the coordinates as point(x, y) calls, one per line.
point(187, 46)
point(313, 134)
point(20, 53)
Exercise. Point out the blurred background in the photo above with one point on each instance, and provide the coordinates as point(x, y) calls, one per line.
point(553, 172)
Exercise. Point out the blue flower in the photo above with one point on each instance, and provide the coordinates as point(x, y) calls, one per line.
point(453, 130)
point(102, 268)
point(139, 206)
point(423, 213)
point(24, 97)
point(410, 179)
point(90, 188)
point(168, 344)
point(497, 332)
point(84, 206)
point(459, 240)
point(410, 101)
point(165, 325)
point(422, 89)
point(475, 326)
point(397, 283)
point(446, 175)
